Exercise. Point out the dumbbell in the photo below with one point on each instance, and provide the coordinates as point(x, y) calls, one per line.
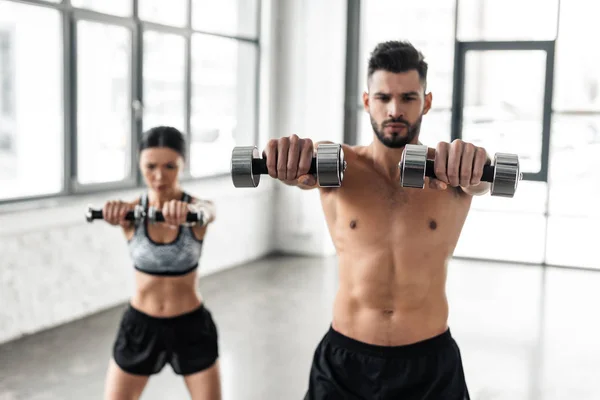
point(504, 174)
point(328, 165)
point(139, 213)
point(136, 215)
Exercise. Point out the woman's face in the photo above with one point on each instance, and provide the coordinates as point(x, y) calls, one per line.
point(160, 167)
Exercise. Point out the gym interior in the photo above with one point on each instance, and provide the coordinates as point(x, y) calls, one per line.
point(80, 80)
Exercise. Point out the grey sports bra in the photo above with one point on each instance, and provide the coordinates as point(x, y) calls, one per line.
point(178, 257)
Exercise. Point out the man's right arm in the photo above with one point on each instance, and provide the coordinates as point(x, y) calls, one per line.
point(308, 182)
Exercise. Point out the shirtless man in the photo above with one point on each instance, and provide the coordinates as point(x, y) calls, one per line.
point(389, 338)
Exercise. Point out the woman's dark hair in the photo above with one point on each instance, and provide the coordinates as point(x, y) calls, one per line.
point(163, 136)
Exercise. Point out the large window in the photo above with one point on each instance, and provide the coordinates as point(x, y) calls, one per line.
point(81, 80)
point(31, 107)
point(531, 86)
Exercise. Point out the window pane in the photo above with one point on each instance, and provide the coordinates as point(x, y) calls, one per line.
point(120, 8)
point(164, 80)
point(530, 197)
point(505, 115)
point(507, 229)
point(173, 12)
point(503, 236)
point(577, 76)
point(223, 101)
point(500, 20)
point(228, 17)
point(31, 101)
point(435, 128)
point(573, 242)
point(103, 102)
point(574, 166)
point(428, 25)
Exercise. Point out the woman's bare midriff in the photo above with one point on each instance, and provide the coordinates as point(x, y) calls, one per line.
point(165, 296)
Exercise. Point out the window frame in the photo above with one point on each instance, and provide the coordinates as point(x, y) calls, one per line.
point(458, 95)
point(70, 15)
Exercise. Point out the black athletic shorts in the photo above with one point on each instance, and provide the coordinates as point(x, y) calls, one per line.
point(344, 368)
point(144, 344)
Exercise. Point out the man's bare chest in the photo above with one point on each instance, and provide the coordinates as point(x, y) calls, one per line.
point(374, 212)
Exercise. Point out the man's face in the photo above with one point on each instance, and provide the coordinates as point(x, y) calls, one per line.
point(396, 103)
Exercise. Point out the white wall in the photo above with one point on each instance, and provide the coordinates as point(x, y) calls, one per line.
point(311, 82)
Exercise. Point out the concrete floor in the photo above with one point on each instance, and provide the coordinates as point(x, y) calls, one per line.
point(525, 333)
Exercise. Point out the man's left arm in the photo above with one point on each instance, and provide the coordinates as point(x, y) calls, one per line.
point(479, 159)
point(460, 164)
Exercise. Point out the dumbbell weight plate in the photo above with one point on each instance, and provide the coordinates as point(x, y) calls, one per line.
point(413, 171)
point(330, 165)
point(506, 175)
point(241, 166)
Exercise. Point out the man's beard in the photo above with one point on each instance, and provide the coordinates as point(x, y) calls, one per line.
point(396, 141)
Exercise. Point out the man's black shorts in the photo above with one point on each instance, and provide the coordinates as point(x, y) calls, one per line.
point(144, 344)
point(344, 368)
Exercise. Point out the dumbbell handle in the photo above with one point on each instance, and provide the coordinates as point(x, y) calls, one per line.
point(98, 214)
point(259, 166)
point(488, 171)
point(130, 216)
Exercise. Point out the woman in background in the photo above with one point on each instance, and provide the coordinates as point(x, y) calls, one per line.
point(166, 320)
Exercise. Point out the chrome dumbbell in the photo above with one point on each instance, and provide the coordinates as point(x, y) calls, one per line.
point(328, 165)
point(504, 174)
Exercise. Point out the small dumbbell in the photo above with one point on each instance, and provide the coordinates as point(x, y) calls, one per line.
point(328, 165)
point(504, 174)
point(138, 214)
